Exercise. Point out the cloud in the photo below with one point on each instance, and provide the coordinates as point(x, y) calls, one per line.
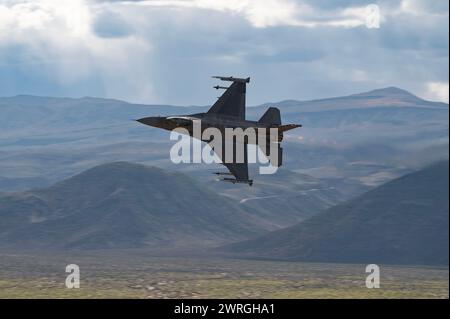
point(437, 91)
point(420, 7)
point(269, 13)
point(17, 17)
point(68, 46)
point(166, 51)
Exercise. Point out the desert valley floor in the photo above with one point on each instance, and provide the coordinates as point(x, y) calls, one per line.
point(137, 275)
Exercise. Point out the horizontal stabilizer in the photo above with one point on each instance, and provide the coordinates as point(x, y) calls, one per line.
point(287, 127)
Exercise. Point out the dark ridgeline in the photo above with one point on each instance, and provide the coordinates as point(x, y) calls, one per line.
point(404, 221)
point(123, 205)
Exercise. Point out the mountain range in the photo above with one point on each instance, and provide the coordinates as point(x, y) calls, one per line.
point(404, 221)
point(366, 138)
point(347, 145)
point(123, 205)
point(52, 150)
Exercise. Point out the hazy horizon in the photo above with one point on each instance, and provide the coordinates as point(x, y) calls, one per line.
point(197, 105)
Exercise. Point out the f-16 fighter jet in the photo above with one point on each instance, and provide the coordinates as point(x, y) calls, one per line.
point(228, 113)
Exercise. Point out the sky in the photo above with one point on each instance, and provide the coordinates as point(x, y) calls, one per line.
point(165, 51)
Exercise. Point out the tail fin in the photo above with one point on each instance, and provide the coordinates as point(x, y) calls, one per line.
point(272, 116)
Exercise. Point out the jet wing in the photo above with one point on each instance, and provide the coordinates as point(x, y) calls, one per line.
point(232, 101)
point(238, 170)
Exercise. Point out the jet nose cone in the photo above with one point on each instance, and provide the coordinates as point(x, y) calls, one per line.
point(152, 121)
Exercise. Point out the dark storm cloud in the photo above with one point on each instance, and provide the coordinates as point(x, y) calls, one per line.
point(291, 62)
point(166, 54)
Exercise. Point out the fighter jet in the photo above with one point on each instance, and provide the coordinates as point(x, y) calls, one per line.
point(229, 112)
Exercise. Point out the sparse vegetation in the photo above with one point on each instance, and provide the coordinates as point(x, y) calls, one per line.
point(135, 275)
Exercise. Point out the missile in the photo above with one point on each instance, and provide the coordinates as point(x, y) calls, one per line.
point(239, 181)
point(220, 87)
point(232, 79)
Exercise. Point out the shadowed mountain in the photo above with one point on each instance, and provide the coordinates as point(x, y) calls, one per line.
point(123, 205)
point(404, 221)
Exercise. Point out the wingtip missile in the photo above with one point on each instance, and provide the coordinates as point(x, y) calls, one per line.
point(217, 87)
point(238, 181)
point(222, 173)
point(232, 79)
